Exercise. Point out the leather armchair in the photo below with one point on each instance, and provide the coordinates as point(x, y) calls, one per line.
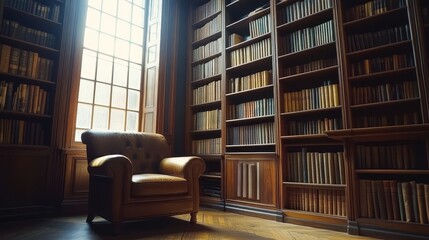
point(132, 176)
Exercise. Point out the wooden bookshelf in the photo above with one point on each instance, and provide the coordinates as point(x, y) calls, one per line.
point(204, 91)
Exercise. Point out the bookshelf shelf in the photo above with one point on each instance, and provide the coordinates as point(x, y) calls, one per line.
point(244, 22)
point(206, 105)
point(29, 46)
point(319, 111)
point(376, 51)
point(24, 115)
point(386, 104)
point(205, 80)
point(205, 20)
point(27, 17)
point(310, 75)
point(398, 13)
point(207, 39)
point(258, 64)
point(314, 185)
point(247, 42)
point(324, 49)
point(402, 72)
point(392, 171)
point(307, 21)
point(303, 137)
point(206, 59)
point(251, 119)
point(29, 80)
point(252, 92)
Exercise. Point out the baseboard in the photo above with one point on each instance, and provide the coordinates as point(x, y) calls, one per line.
point(316, 224)
point(255, 212)
point(18, 213)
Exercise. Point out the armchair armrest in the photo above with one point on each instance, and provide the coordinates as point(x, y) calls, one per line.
point(113, 166)
point(185, 167)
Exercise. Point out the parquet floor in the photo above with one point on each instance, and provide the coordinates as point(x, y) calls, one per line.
point(212, 224)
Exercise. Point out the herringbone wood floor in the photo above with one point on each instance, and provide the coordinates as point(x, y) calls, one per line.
point(212, 224)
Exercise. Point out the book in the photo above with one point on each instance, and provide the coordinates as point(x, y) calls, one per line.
point(401, 202)
point(415, 208)
point(375, 200)
point(363, 198)
point(5, 57)
point(421, 203)
point(408, 201)
point(381, 200)
point(426, 193)
point(239, 178)
point(395, 203)
point(388, 199)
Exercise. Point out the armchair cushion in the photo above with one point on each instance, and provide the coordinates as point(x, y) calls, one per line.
point(150, 184)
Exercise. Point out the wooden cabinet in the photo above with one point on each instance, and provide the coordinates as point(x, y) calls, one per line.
point(30, 65)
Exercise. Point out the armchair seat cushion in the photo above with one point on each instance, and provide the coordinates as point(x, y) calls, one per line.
point(151, 184)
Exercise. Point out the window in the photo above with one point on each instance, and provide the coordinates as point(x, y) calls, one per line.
point(112, 67)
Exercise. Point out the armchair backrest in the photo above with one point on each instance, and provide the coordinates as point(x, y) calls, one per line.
point(145, 150)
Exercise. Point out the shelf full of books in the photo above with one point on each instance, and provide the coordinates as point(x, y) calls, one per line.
point(29, 54)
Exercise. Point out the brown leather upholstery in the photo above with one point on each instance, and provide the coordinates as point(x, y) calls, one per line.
point(132, 176)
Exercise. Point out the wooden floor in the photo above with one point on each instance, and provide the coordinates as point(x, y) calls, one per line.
point(212, 224)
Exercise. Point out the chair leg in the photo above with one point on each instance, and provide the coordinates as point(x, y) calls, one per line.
point(193, 217)
point(89, 218)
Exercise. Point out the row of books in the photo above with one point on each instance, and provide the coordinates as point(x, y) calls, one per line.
point(307, 38)
point(16, 30)
point(51, 12)
point(393, 200)
point(372, 8)
point(208, 29)
point(309, 66)
point(206, 93)
point(325, 96)
point(391, 156)
point(206, 146)
point(257, 108)
point(366, 40)
point(301, 9)
point(21, 132)
point(207, 69)
point(207, 9)
point(388, 119)
point(207, 120)
point(25, 98)
point(210, 187)
point(315, 167)
point(248, 180)
point(323, 201)
point(252, 81)
point(381, 64)
point(316, 126)
point(261, 133)
point(260, 26)
point(251, 52)
point(385, 92)
point(210, 49)
point(25, 63)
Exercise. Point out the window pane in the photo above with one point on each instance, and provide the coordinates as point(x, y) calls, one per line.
point(88, 64)
point(106, 44)
point(101, 117)
point(124, 10)
point(136, 34)
point(93, 18)
point(86, 91)
point(117, 120)
point(108, 24)
point(119, 97)
point(133, 100)
point(124, 30)
point(139, 3)
point(120, 73)
point(78, 134)
point(135, 76)
point(91, 39)
point(110, 6)
point(136, 53)
point(84, 112)
point(102, 94)
point(104, 69)
point(95, 3)
point(132, 121)
point(122, 49)
point(137, 16)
